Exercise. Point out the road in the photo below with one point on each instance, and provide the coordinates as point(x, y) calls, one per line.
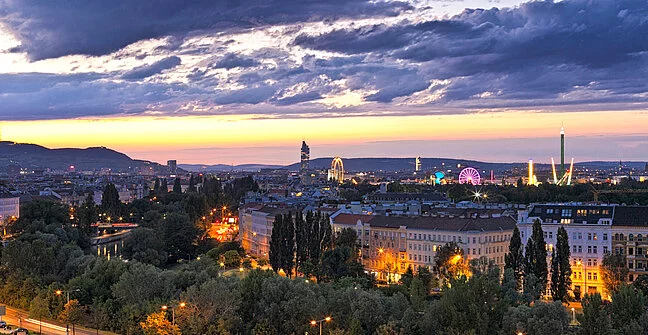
point(18, 318)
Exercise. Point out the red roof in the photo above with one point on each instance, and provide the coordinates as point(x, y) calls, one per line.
point(352, 219)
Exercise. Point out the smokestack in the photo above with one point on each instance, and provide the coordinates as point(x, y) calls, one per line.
point(562, 151)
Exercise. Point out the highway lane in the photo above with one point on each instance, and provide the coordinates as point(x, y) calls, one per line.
point(18, 318)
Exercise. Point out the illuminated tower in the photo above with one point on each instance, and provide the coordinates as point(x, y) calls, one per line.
point(418, 164)
point(562, 151)
point(305, 156)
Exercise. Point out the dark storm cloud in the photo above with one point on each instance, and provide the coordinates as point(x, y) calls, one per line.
point(231, 60)
point(54, 28)
point(539, 52)
point(146, 71)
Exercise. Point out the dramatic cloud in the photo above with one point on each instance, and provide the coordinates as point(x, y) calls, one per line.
point(231, 61)
point(57, 28)
point(301, 59)
point(153, 69)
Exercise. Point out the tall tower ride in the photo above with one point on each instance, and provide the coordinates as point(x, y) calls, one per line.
point(305, 156)
point(562, 151)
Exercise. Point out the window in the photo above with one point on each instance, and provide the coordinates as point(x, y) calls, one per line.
point(580, 236)
point(589, 236)
point(589, 262)
point(550, 210)
point(631, 237)
point(630, 251)
point(639, 238)
point(550, 234)
point(595, 276)
point(605, 237)
point(589, 276)
point(595, 251)
point(580, 249)
point(566, 213)
point(630, 265)
point(574, 249)
point(639, 251)
point(589, 249)
point(606, 250)
point(581, 212)
point(474, 240)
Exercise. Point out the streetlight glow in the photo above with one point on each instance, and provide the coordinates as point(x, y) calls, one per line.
point(313, 323)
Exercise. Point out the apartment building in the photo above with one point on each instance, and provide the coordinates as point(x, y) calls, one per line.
point(390, 244)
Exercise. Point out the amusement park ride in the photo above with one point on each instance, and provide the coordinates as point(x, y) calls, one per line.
point(337, 170)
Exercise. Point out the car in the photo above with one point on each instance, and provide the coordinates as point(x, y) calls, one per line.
point(3, 324)
point(20, 331)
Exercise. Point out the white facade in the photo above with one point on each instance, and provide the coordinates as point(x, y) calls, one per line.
point(9, 208)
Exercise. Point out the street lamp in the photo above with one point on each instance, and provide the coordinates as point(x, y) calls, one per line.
point(181, 305)
point(315, 322)
point(67, 294)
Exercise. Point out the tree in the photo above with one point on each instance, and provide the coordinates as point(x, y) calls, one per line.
point(157, 324)
point(87, 214)
point(406, 278)
point(536, 256)
point(347, 237)
point(177, 186)
point(641, 284)
point(110, 203)
point(164, 186)
point(543, 318)
point(594, 320)
point(614, 271)
point(514, 259)
point(144, 245)
point(179, 234)
point(288, 245)
point(276, 239)
point(38, 309)
point(72, 313)
point(627, 306)
point(449, 262)
point(418, 293)
point(560, 267)
point(192, 183)
point(231, 258)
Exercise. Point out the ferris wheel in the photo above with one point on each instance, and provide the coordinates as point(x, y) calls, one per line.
point(469, 176)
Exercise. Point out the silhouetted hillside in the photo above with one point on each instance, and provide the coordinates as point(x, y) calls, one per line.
point(36, 156)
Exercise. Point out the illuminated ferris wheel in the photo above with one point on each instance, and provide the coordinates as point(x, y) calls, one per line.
point(469, 176)
point(337, 170)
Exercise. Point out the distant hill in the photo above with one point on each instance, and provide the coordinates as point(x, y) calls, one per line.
point(36, 156)
point(224, 167)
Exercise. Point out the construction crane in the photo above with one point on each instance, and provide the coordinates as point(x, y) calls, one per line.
point(629, 191)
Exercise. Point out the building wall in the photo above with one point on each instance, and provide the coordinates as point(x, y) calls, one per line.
point(588, 242)
point(255, 230)
point(388, 252)
point(9, 207)
point(633, 243)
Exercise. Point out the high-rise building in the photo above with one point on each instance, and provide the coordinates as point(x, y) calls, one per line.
point(173, 167)
point(418, 164)
point(305, 156)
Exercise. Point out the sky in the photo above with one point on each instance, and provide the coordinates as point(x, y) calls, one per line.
point(234, 82)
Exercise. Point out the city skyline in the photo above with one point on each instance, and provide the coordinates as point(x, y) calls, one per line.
point(354, 79)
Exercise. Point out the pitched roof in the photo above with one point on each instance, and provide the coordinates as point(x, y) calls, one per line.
point(630, 216)
point(352, 219)
point(445, 223)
